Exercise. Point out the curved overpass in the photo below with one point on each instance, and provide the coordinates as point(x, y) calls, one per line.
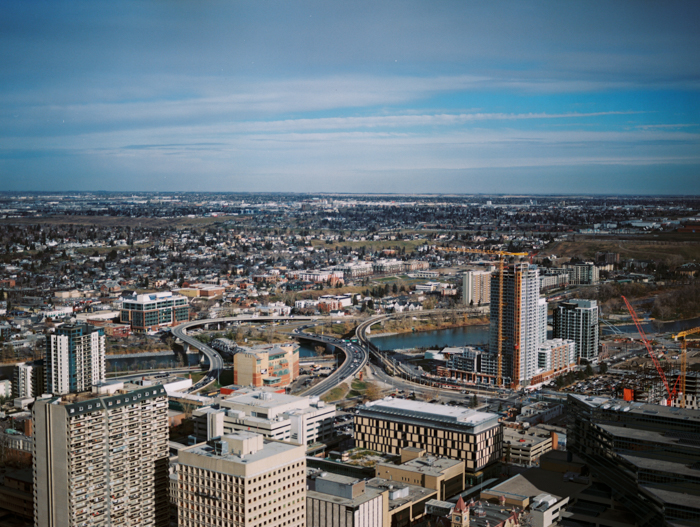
point(356, 358)
point(361, 333)
point(216, 363)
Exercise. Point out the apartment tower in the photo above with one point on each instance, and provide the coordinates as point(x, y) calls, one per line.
point(75, 358)
point(577, 320)
point(476, 287)
point(101, 459)
point(524, 324)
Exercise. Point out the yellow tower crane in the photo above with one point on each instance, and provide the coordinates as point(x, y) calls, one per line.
point(684, 359)
point(501, 255)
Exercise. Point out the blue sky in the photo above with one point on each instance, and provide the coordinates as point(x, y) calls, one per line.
point(459, 97)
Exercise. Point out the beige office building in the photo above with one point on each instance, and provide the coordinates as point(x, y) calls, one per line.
point(390, 425)
point(241, 480)
point(101, 460)
point(437, 473)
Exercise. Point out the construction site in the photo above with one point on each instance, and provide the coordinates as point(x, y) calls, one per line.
point(652, 372)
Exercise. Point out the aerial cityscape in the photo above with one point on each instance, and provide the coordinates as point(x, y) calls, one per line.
point(370, 264)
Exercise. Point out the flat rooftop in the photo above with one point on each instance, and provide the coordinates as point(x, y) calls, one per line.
point(415, 493)
point(528, 438)
point(262, 399)
point(404, 408)
point(270, 448)
point(430, 465)
point(617, 405)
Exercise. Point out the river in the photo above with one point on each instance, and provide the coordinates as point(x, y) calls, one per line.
point(654, 327)
point(479, 335)
point(466, 335)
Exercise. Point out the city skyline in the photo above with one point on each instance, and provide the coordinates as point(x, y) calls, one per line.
point(463, 98)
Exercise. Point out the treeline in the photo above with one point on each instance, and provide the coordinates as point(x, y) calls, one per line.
point(678, 304)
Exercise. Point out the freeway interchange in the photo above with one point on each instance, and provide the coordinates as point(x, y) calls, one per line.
point(356, 356)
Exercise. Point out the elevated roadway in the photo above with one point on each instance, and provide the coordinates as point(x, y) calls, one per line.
point(216, 363)
point(356, 357)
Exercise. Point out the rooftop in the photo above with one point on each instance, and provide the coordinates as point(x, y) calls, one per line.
point(430, 465)
point(269, 448)
point(400, 493)
point(404, 408)
point(616, 405)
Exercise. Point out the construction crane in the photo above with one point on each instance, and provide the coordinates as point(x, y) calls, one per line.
point(672, 392)
point(501, 255)
point(684, 359)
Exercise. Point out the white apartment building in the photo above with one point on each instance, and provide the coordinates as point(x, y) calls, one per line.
point(101, 460)
point(476, 288)
point(24, 381)
point(554, 357)
point(577, 320)
point(242, 479)
point(355, 269)
point(303, 420)
point(75, 358)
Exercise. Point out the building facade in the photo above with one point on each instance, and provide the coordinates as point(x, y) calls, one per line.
point(646, 454)
point(476, 288)
point(577, 320)
point(101, 460)
point(29, 379)
point(242, 479)
point(303, 420)
point(334, 500)
point(150, 312)
point(273, 366)
point(75, 358)
point(389, 425)
point(524, 324)
point(554, 357)
point(470, 364)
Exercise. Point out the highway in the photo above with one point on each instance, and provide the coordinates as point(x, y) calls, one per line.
point(356, 358)
point(216, 363)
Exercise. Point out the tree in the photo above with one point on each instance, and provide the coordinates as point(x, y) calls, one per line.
point(475, 401)
point(603, 368)
point(373, 392)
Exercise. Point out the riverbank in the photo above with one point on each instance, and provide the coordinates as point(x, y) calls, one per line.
point(422, 328)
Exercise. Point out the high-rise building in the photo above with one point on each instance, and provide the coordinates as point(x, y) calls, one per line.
point(154, 310)
point(476, 288)
point(577, 320)
point(242, 479)
point(29, 379)
point(75, 358)
point(641, 456)
point(524, 324)
point(101, 459)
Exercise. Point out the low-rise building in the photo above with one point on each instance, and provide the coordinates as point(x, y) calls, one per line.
point(303, 420)
point(444, 475)
point(525, 447)
point(152, 311)
point(389, 425)
point(275, 365)
point(470, 364)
